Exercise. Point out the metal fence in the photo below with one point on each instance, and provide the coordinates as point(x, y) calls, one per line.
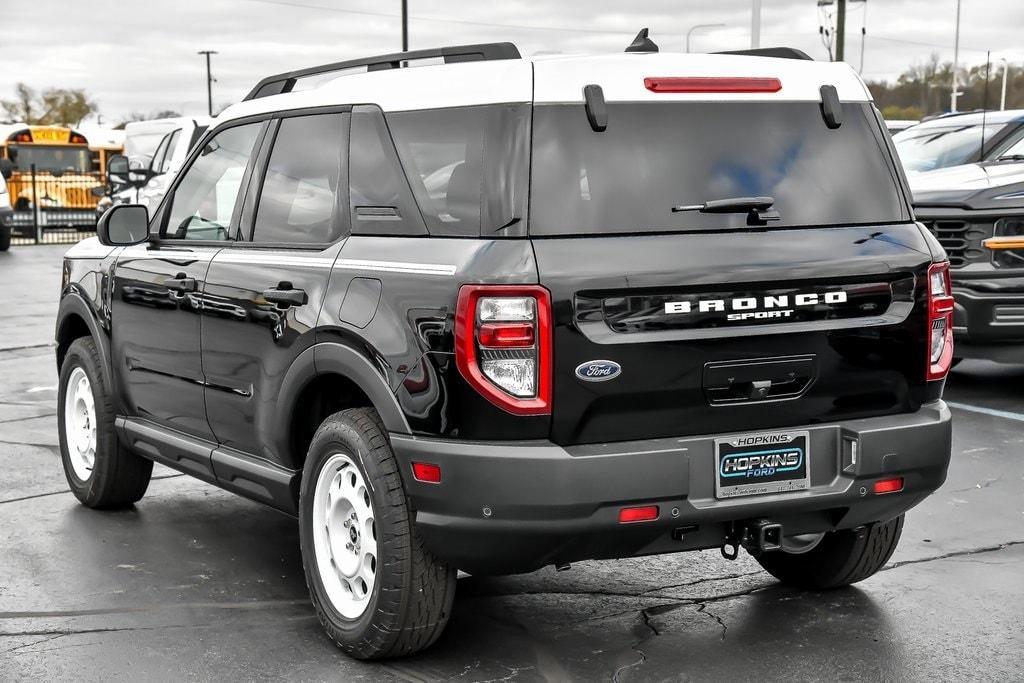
point(53, 207)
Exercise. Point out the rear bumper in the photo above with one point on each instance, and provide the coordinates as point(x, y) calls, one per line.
point(549, 504)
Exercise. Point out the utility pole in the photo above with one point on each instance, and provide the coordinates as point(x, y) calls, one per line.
point(755, 24)
point(405, 25)
point(956, 60)
point(209, 80)
point(840, 30)
point(1002, 99)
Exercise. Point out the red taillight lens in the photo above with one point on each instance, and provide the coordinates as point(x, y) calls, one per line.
point(940, 321)
point(505, 335)
point(24, 136)
point(503, 345)
point(77, 139)
point(426, 472)
point(711, 84)
point(646, 513)
point(892, 485)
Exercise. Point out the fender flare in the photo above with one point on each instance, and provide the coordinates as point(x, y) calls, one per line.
point(332, 358)
point(73, 303)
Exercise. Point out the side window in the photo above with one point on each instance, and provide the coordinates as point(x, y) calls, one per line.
point(467, 166)
point(165, 164)
point(299, 200)
point(157, 162)
point(380, 197)
point(204, 201)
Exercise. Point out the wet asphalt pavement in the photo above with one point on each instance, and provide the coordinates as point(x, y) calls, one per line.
point(195, 583)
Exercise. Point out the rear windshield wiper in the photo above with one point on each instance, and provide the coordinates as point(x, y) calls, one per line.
point(758, 209)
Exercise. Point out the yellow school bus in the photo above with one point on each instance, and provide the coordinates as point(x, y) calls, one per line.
point(58, 165)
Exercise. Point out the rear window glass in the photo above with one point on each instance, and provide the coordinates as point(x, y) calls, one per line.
point(654, 156)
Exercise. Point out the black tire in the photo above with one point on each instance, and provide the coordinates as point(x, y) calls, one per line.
point(841, 558)
point(119, 478)
point(5, 238)
point(413, 592)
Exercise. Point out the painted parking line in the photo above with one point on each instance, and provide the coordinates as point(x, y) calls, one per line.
point(1005, 414)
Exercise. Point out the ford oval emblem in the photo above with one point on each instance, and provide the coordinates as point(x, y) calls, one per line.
point(598, 370)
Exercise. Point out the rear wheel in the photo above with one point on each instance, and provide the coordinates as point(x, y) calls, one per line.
point(377, 591)
point(100, 472)
point(835, 559)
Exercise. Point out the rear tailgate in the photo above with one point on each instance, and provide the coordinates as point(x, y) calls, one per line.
point(826, 325)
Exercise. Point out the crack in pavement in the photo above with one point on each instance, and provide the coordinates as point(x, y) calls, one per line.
point(103, 611)
point(57, 493)
point(703, 609)
point(645, 620)
point(47, 345)
point(988, 482)
point(23, 419)
point(955, 553)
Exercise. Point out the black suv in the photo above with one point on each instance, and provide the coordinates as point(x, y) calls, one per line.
point(499, 313)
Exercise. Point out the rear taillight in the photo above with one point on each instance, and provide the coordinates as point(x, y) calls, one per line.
point(503, 345)
point(940, 321)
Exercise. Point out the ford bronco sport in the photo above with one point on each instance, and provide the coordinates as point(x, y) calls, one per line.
point(498, 313)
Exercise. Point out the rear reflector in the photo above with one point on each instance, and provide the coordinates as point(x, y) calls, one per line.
point(711, 84)
point(426, 472)
point(647, 513)
point(889, 485)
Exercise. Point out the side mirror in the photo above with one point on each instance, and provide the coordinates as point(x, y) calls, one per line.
point(6, 168)
point(123, 225)
point(117, 165)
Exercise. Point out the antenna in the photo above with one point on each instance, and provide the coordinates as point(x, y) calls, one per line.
point(642, 43)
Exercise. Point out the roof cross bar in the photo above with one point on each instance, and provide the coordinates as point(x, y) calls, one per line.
point(285, 82)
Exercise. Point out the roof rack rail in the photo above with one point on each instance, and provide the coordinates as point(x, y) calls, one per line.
point(777, 52)
point(285, 82)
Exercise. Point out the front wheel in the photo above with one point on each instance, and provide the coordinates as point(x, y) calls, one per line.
point(835, 559)
point(377, 591)
point(100, 471)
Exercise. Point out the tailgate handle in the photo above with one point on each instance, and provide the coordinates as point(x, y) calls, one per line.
point(758, 379)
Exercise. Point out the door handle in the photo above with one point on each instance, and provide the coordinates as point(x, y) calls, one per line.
point(181, 283)
point(285, 295)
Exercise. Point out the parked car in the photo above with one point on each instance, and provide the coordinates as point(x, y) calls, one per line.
point(896, 125)
point(6, 210)
point(501, 313)
point(955, 139)
point(977, 213)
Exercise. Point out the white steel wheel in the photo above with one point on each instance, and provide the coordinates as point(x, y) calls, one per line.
point(344, 536)
point(801, 543)
point(80, 424)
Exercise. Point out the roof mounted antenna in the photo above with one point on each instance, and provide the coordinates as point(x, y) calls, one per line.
point(642, 43)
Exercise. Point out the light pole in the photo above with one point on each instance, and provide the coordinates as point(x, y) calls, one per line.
point(956, 60)
point(1002, 98)
point(755, 24)
point(699, 26)
point(405, 25)
point(209, 80)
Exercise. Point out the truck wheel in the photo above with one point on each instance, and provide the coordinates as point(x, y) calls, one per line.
point(377, 591)
point(100, 472)
point(838, 559)
point(5, 237)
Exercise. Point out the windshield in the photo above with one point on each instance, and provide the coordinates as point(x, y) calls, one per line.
point(924, 148)
point(51, 158)
point(653, 157)
point(142, 145)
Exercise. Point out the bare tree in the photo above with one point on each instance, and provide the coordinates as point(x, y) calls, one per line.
point(61, 106)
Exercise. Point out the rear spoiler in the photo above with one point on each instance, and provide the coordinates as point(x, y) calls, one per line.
point(777, 52)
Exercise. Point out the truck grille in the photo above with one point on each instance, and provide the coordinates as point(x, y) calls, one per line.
point(961, 239)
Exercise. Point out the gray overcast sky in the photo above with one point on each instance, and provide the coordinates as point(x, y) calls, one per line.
point(140, 55)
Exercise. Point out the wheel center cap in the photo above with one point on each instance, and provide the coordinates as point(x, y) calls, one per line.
point(353, 534)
